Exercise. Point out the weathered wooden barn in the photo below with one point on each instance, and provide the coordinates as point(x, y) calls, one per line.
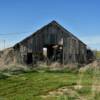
point(51, 43)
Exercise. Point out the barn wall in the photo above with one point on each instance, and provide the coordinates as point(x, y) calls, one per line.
point(74, 51)
point(50, 35)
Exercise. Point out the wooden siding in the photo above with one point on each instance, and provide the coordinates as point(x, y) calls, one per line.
point(74, 51)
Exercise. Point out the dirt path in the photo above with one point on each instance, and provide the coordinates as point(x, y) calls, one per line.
point(64, 91)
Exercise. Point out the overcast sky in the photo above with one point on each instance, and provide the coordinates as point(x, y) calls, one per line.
point(20, 18)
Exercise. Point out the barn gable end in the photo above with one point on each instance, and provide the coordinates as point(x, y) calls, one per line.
point(51, 43)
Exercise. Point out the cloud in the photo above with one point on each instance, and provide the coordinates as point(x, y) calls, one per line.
point(6, 44)
point(92, 41)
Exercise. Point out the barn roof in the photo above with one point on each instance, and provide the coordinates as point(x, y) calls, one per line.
point(59, 26)
point(67, 32)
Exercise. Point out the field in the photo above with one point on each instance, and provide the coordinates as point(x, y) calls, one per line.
point(98, 54)
point(51, 85)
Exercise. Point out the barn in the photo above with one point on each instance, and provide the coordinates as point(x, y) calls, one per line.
point(51, 43)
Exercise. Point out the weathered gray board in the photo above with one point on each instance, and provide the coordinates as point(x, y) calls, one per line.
point(61, 46)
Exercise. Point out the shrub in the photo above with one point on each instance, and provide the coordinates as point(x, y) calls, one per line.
point(84, 90)
point(3, 76)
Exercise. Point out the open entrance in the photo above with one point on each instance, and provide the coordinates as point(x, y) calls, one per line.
point(45, 52)
point(29, 58)
point(53, 53)
point(50, 52)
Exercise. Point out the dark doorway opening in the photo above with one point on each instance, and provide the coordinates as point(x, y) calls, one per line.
point(50, 52)
point(90, 56)
point(29, 58)
point(53, 53)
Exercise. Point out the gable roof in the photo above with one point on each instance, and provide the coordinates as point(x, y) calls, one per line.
point(59, 26)
point(67, 32)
